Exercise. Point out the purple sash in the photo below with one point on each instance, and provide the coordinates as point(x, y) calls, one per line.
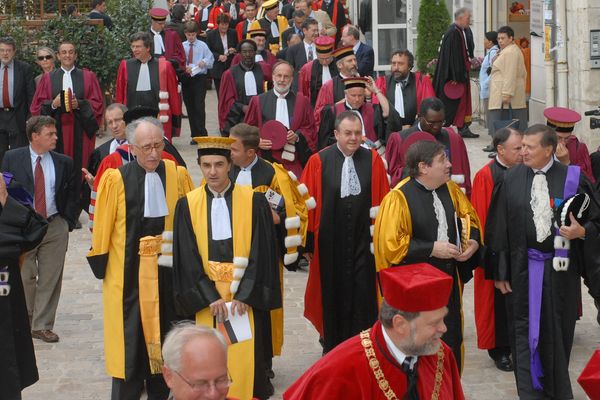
point(535, 268)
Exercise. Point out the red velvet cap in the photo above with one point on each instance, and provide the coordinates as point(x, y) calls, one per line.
point(415, 287)
point(324, 44)
point(454, 90)
point(158, 14)
point(590, 377)
point(276, 132)
point(414, 138)
point(562, 119)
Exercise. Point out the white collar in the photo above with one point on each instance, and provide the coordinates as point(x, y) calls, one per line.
point(342, 151)
point(69, 71)
point(280, 95)
point(500, 162)
point(219, 194)
point(252, 164)
point(156, 33)
point(356, 46)
point(396, 352)
point(36, 155)
point(546, 167)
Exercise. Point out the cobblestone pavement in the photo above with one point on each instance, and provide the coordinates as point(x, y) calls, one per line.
point(74, 367)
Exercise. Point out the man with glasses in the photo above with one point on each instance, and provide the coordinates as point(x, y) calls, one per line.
point(195, 363)
point(431, 120)
point(133, 224)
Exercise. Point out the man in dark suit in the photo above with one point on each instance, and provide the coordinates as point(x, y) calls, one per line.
point(99, 12)
point(305, 51)
point(365, 56)
point(296, 27)
point(222, 42)
point(17, 88)
point(49, 177)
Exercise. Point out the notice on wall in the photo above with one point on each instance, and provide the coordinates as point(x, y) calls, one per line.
point(536, 17)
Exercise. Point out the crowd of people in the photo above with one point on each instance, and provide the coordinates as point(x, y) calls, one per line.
point(317, 164)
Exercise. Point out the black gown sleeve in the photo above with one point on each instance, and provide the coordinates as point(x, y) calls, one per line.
point(589, 249)
point(21, 229)
point(260, 287)
point(325, 135)
point(192, 288)
point(498, 262)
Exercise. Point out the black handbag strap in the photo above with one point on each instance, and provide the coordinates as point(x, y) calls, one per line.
point(510, 110)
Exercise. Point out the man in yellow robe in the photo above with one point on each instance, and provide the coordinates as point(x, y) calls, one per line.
point(134, 224)
point(226, 264)
point(426, 218)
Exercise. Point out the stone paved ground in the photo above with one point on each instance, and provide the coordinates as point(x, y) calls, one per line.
point(74, 367)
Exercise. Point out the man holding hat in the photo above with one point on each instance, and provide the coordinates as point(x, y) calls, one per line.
point(333, 91)
point(402, 356)
point(238, 85)
point(167, 42)
point(569, 151)
point(348, 182)
point(226, 263)
point(273, 23)
point(132, 253)
point(427, 217)
point(373, 116)
point(314, 74)
point(293, 111)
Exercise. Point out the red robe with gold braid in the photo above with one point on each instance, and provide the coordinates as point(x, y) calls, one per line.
point(348, 373)
point(319, 301)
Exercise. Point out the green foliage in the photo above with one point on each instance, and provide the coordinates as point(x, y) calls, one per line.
point(15, 28)
point(433, 23)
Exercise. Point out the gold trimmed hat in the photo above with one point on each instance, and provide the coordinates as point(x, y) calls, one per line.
point(270, 4)
point(356, 81)
point(324, 44)
point(342, 52)
point(158, 14)
point(256, 32)
point(214, 146)
point(561, 119)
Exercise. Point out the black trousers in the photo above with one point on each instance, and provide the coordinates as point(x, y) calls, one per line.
point(9, 132)
point(194, 95)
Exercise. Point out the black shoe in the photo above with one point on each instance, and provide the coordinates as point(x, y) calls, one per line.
point(492, 154)
point(303, 264)
point(270, 373)
point(466, 133)
point(488, 148)
point(270, 390)
point(503, 363)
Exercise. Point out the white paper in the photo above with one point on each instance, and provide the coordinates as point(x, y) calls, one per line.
point(240, 324)
point(195, 70)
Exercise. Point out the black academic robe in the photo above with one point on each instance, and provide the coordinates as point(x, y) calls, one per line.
point(311, 79)
point(561, 289)
point(409, 97)
point(21, 229)
point(330, 93)
point(372, 115)
point(259, 287)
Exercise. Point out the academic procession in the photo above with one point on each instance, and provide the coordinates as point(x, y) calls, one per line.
point(252, 209)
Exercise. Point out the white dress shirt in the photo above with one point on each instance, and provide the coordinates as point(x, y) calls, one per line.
point(398, 355)
point(245, 175)
point(308, 48)
point(49, 179)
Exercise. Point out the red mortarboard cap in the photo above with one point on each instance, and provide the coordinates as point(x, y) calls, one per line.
point(356, 81)
point(454, 90)
point(414, 138)
point(158, 14)
point(342, 52)
point(415, 287)
point(324, 44)
point(590, 377)
point(562, 119)
point(276, 132)
point(257, 32)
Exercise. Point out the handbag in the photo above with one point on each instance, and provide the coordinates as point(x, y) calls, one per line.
point(506, 123)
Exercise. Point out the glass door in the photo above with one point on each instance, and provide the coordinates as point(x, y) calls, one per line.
point(392, 29)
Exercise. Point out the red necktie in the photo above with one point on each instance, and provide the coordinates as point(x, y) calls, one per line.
point(191, 54)
point(39, 187)
point(5, 96)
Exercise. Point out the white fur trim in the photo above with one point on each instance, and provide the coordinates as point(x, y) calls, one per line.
point(381, 151)
point(234, 286)
point(562, 243)
point(179, 88)
point(289, 147)
point(458, 179)
point(165, 261)
point(167, 235)
point(311, 203)
point(163, 95)
point(163, 106)
point(91, 224)
point(377, 144)
point(463, 190)
point(302, 189)
point(286, 155)
point(240, 262)
point(385, 164)
point(293, 241)
point(163, 119)
point(372, 230)
point(372, 248)
point(290, 258)
point(560, 263)
point(91, 209)
point(373, 212)
point(389, 178)
point(238, 273)
point(166, 248)
point(292, 222)
point(93, 195)
point(293, 176)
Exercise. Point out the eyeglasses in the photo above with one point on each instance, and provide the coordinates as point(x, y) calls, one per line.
point(434, 123)
point(42, 58)
point(220, 384)
point(147, 149)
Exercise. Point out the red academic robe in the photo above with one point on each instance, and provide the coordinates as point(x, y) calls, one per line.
point(345, 373)
point(170, 100)
point(579, 155)
point(394, 154)
point(113, 160)
point(327, 96)
point(307, 79)
point(301, 120)
point(312, 177)
point(69, 135)
point(174, 47)
point(424, 88)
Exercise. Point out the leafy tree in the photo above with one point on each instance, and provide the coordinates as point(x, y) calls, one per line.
point(433, 23)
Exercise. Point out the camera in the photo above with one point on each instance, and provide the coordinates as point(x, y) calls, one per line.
point(594, 122)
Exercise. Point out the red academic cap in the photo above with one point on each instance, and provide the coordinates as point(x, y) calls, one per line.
point(414, 138)
point(454, 90)
point(343, 52)
point(276, 132)
point(590, 377)
point(158, 14)
point(415, 287)
point(324, 44)
point(561, 119)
